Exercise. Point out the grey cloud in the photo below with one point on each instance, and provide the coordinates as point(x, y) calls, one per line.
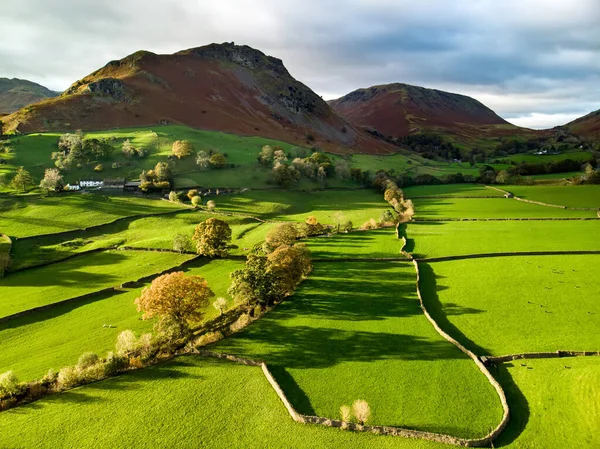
point(518, 56)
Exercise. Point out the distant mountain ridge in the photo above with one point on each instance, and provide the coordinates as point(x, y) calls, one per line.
point(223, 87)
point(586, 127)
point(397, 110)
point(17, 93)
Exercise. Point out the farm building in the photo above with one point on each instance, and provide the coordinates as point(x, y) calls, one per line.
point(114, 184)
point(94, 184)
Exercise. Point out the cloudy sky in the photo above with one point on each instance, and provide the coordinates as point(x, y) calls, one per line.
point(535, 62)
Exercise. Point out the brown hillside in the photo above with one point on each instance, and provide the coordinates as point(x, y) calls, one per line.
point(586, 127)
point(222, 87)
point(16, 94)
point(398, 110)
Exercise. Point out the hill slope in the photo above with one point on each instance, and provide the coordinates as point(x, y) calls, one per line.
point(398, 110)
point(586, 127)
point(222, 87)
point(16, 93)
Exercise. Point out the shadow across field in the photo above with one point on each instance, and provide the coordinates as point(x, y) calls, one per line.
point(517, 403)
point(429, 288)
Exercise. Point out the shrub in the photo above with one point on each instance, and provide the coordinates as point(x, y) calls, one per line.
point(361, 411)
point(99, 168)
point(127, 343)
point(182, 243)
point(49, 378)
point(208, 338)
point(196, 200)
point(347, 227)
point(210, 205)
point(114, 364)
point(219, 304)
point(86, 360)
point(192, 193)
point(9, 384)
point(346, 413)
point(173, 196)
point(369, 224)
point(68, 377)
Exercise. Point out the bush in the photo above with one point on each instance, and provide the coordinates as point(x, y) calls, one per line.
point(347, 227)
point(369, 224)
point(210, 205)
point(68, 377)
point(86, 360)
point(99, 168)
point(114, 364)
point(173, 196)
point(196, 200)
point(9, 384)
point(361, 411)
point(346, 413)
point(127, 343)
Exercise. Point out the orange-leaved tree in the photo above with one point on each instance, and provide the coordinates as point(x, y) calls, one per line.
point(177, 296)
point(212, 237)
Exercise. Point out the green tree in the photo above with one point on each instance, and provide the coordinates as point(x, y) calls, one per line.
point(282, 234)
point(182, 243)
point(212, 237)
point(21, 180)
point(196, 200)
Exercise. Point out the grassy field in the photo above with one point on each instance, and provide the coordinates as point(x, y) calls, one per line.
point(56, 337)
point(151, 408)
point(538, 303)
point(355, 205)
point(37, 287)
point(455, 190)
point(454, 238)
point(441, 208)
point(369, 340)
point(27, 216)
point(150, 232)
point(367, 244)
point(554, 403)
point(543, 159)
point(570, 196)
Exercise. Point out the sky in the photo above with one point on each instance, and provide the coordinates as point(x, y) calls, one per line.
point(534, 62)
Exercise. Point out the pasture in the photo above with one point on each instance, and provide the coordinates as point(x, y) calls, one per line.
point(55, 337)
point(569, 196)
point(457, 238)
point(355, 330)
point(453, 190)
point(153, 408)
point(489, 208)
point(534, 303)
point(28, 216)
point(50, 284)
point(377, 243)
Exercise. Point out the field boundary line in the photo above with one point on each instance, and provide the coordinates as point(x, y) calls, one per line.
point(539, 355)
point(507, 254)
point(541, 203)
point(506, 412)
point(319, 420)
point(361, 259)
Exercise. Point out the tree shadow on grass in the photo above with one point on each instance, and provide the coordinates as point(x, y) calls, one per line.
point(294, 393)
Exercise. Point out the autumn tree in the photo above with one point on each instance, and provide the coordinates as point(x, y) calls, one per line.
point(282, 234)
point(192, 193)
point(210, 205)
point(290, 264)
point(218, 160)
point(182, 148)
point(177, 296)
point(21, 180)
point(312, 226)
point(196, 200)
point(212, 237)
point(52, 180)
point(266, 155)
point(361, 411)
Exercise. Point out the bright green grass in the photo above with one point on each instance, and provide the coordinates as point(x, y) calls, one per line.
point(357, 206)
point(367, 244)
point(441, 208)
point(455, 238)
point(555, 176)
point(5, 247)
point(91, 272)
point(56, 337)
point(555, 403)
point(456, 190)
point(397, 162)
point(26, 216)
point(33, 151)
point(570, 196)
point(150, 232)
point(356, 331)
point(187, 403)
point(510, 305)
point(544, 159)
